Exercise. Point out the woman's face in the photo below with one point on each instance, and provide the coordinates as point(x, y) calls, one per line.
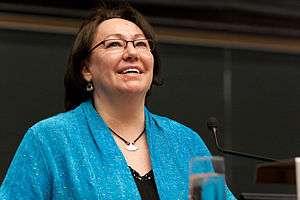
point(114, 70)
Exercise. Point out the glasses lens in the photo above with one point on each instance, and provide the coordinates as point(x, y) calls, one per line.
point(142, 44)
point(114, 44)
point(120, 45)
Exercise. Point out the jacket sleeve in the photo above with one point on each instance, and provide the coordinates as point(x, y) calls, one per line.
point(28, 175)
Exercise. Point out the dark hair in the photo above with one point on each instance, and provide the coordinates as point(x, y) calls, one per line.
point(75, 84)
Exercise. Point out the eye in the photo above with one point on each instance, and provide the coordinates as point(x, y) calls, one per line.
point(113, 44)
point(141, 43)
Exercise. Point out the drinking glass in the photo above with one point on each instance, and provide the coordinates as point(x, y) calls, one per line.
point(207, 178)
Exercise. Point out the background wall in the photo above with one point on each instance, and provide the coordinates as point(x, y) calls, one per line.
point(250, 82)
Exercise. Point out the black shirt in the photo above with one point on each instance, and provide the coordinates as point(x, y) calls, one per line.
point(146, 185)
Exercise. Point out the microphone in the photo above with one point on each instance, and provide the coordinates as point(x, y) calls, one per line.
point(212, 124)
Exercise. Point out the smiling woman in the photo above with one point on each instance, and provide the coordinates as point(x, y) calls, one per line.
point(107, 145)
point(111, 66)
point(90, 38)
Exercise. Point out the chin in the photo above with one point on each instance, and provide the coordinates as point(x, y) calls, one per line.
point(134, 91)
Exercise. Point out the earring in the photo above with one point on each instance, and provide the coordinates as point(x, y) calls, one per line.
point(89, 86)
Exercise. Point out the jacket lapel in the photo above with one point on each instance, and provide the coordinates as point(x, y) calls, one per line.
point(167, 170)
point(116, 177)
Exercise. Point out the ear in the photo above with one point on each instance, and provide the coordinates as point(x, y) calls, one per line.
point(86, 73)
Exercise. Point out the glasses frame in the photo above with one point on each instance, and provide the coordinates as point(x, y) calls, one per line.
point(150, 42)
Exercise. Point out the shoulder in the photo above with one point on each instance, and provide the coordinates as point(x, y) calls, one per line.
point(181, 133)
point(172, 126)
point(180, 136)
point(58, 123)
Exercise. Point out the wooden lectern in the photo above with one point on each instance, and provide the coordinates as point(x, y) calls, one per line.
point(284, 172)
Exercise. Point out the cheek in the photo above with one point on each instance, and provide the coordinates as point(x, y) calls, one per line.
point(150, 62)
point(95, 63)
point(150, 67)
point(100, 65)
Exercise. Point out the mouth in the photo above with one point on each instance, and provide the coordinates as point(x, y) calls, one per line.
point(131, 70)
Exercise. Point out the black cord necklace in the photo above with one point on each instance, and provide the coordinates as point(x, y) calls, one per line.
point(130, 146)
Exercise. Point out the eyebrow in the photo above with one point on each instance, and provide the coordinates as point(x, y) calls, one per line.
point(122, 36)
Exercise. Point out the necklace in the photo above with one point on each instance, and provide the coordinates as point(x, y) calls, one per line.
point(130, 146)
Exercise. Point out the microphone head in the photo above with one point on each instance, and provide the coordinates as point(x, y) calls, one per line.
point(211, 123)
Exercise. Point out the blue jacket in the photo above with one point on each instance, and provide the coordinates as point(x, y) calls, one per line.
point(74, 156)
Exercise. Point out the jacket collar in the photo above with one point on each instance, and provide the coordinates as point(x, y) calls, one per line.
point(163, 159)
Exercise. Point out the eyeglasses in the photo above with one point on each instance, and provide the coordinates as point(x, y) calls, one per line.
point(119, 45)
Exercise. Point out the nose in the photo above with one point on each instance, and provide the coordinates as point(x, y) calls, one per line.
point(130, 51)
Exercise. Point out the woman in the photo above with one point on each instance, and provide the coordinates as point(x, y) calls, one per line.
point(107, 145)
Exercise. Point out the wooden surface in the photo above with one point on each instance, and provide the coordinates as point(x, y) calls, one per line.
point(277, 172)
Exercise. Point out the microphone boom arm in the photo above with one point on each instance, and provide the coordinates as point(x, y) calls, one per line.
point(235, 153)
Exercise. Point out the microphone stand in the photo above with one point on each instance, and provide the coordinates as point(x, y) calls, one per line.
point(235, 153)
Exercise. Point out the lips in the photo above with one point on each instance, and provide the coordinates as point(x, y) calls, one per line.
point(127, 71)
point(130, 70)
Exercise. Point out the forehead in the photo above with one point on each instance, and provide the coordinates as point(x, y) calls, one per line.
point(117, 26)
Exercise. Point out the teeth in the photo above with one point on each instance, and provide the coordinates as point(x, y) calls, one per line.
point(131, 71)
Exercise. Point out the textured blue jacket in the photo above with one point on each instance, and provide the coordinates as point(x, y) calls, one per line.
point(74, 156)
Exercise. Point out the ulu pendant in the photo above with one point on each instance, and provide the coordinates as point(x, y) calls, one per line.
point(131, 147)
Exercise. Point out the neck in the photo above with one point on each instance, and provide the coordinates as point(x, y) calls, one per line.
point(123, 114)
